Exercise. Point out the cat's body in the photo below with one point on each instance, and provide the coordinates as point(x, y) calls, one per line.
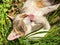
point(39, 8)
point(35, 9)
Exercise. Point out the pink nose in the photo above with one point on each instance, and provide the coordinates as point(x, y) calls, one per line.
point(31, 17)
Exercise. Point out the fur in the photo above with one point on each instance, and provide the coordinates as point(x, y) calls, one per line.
point(38, 8)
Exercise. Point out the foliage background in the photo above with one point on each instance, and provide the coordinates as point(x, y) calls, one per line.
point(13, 7)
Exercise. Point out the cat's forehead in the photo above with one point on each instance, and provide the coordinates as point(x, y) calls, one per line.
point(18, 17)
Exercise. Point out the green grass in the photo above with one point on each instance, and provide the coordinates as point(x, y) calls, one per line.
point(52, 37)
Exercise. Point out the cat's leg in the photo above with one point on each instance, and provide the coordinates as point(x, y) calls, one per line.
point(48, 9)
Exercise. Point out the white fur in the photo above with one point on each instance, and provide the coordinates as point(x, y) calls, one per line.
point(28, 25)
point(30, 8)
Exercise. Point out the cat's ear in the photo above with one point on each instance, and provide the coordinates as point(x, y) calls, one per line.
point(23, 0)
point(24, 15)
point(10, 17)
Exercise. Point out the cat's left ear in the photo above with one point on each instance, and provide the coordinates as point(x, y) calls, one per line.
point(10, 17)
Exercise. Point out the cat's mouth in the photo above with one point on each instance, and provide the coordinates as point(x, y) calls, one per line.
point(15, 34)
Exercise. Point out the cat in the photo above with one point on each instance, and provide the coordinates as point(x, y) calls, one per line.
point(32, 17)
